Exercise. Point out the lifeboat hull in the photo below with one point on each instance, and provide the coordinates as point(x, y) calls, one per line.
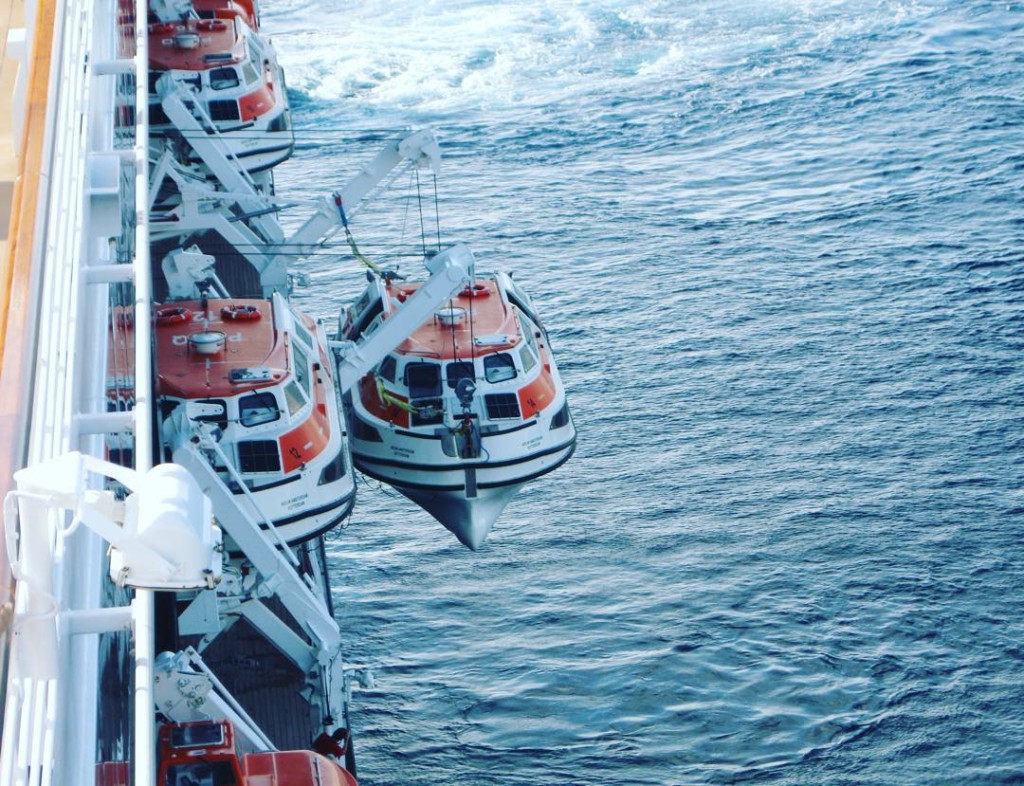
point(466, 496)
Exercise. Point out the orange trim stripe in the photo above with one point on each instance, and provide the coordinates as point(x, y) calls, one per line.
point(16, 334)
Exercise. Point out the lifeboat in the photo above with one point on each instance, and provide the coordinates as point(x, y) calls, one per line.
point(204, 753)
point(259, 375)
point(465, 411)
point(234, 79)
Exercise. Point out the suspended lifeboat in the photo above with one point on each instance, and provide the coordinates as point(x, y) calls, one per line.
point(204, 753)
point(234, 88)
point(466, 410)
point(256, 373)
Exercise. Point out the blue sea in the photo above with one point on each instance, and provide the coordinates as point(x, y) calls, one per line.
point(779, 247)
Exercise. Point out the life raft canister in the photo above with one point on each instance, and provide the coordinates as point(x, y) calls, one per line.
point(241, 313)
point(172, 316)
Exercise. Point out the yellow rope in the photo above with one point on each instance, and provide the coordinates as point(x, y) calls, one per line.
point(387, 398)
point(359, 254)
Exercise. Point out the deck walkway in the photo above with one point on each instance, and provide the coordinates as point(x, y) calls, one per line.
point(12, 16)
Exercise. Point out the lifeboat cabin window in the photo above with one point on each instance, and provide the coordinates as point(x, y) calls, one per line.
point(259, 456)
point(333, 471)
point(251, 76)
point(223, 78)
point(301, 369)
point(257, 409)
point(499, 368)
point(224, 110)
point(255, 54)
point(424, 383)
point(460, 369)
point(528, 358)
point(301, 331)
point(423, 380)
point(501, 406)
point(295, 397)
point(388, 367)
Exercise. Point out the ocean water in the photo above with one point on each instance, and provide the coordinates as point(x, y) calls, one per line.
point(779, 246)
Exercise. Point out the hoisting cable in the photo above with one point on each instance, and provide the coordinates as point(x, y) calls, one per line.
point(437, 213)
point(351, 240)
point(419, 204)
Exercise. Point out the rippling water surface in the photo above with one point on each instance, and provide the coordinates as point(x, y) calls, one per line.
point(779, 249)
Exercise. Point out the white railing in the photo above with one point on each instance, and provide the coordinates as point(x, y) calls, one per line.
point(143, 607)
point(49, 733)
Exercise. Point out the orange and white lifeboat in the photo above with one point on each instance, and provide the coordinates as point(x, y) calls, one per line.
point(205, 752)
point(466, 410)
point(260, 372)
point(235, 76)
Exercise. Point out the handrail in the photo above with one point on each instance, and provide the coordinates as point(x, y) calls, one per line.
point(143, 605)
point(16, 276)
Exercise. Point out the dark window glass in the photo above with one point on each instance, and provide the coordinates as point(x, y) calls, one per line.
point(461, 369)
point(423, 380)
point(335, 470)
point(501, 405)
point(279, 123)
point(224, 110)
point(223, 78)
point(259, 456)
point(499, 368)
point(257, 409)
point(364, 431)
point(387, 368)
point(561, 418)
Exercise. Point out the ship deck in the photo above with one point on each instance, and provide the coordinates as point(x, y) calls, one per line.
point(12, 17)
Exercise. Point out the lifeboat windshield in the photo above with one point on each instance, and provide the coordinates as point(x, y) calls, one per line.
point(460, 369)
point(529, 360)
point(499, 367)
point(258, 409)
point(224, 78)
